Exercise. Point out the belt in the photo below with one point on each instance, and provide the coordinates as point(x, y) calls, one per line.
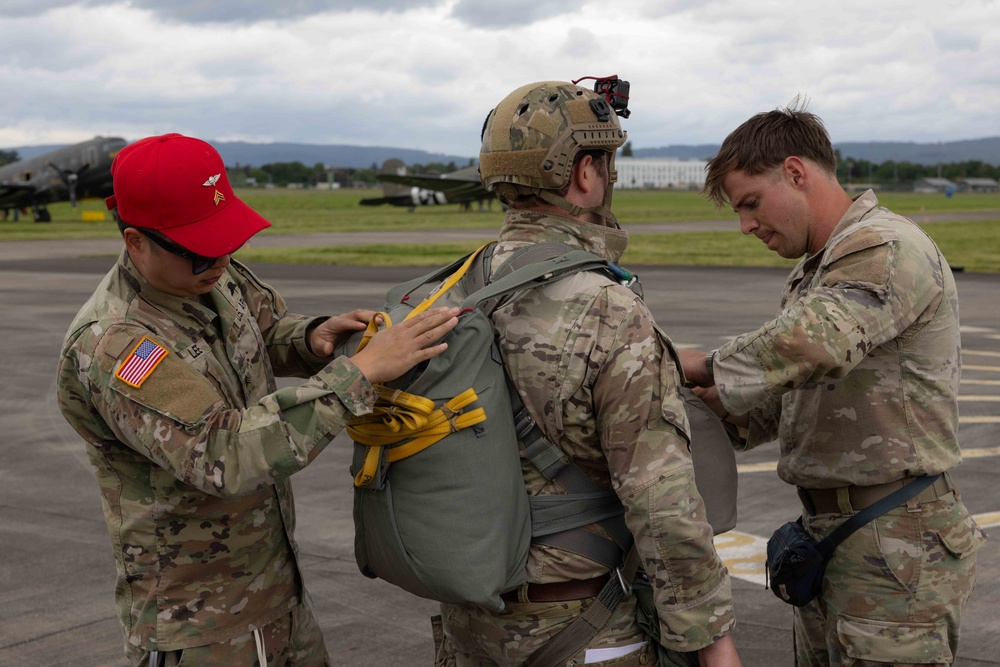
point(559, 591)
point(850, 499)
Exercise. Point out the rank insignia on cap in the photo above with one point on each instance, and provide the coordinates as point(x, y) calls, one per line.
point(145, 357)
point(219, 197)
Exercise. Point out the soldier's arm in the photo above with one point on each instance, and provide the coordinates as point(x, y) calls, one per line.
point(644, 434)
point(873, 288)
point(178, 418)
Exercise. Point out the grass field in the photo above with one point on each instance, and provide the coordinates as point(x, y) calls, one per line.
point(975, 246)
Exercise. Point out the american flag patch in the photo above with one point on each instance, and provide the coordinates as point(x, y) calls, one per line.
point(140, 364)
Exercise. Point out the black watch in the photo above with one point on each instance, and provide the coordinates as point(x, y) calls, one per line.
point(710, 365)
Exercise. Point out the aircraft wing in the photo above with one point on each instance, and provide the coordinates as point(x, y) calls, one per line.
point(13, 193)
point(455, 190)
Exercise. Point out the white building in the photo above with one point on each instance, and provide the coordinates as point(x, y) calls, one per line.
point(658, 173)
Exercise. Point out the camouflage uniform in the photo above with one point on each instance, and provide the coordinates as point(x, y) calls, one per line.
point(193, 465)
point(601, 381)
point(858, 377)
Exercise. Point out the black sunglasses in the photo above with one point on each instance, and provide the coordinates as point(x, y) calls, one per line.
point(199, 263)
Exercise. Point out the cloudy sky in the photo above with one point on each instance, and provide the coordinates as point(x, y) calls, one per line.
point(423, 73)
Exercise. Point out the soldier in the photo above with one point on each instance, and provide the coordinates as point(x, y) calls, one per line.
point(601, 381)
point(857, 377)
point(168, 373)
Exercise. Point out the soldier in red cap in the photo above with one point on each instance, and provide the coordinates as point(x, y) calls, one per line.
point(168, 373)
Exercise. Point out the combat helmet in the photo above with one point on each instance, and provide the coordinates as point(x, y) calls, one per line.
point(531, 139)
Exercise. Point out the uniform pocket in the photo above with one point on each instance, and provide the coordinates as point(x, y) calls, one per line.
point(962, 538)
point(894, 643)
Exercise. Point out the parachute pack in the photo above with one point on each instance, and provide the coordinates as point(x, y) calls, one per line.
point(440, 507)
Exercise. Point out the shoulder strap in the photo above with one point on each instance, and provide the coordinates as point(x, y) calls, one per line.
point(396, 294)
point(537, 274)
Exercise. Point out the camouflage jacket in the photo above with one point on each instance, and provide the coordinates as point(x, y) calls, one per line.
point(601, 380)
point(193, 464)
point(858, 374)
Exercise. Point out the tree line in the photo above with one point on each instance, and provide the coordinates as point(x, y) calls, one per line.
point(849, 170)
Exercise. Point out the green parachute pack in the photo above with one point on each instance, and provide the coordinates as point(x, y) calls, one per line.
point(440, 506)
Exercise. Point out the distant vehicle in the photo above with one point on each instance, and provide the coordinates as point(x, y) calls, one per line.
point(411, 190)
point(65, 174)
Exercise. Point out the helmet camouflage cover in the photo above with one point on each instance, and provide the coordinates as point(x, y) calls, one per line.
point(533, 136)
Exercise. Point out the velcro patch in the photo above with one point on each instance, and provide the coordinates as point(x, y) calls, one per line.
point(145, 357)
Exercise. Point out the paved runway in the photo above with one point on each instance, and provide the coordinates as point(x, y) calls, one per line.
point(56, 568)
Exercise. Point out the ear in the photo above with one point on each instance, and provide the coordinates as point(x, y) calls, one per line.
point(133, 241)
point(796, 171)
point(584, 175)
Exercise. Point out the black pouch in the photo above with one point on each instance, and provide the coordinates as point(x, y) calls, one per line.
point(795, 564)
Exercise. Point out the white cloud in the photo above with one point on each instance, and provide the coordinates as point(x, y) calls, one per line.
point(424, 74)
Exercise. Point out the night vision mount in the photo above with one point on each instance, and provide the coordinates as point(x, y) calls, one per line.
point(615, 94)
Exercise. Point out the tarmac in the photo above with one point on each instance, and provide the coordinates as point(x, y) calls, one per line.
point(56, 568)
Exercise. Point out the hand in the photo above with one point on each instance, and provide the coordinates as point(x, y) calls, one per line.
point(721, 653)
point(393, 351)
point(324, 338)
point(693, 365)
point(710, 397)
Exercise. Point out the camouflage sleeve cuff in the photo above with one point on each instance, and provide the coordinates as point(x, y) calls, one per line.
point(697, 624)
point(349, 384)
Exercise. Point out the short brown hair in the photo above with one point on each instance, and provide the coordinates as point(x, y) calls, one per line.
point(764, 141)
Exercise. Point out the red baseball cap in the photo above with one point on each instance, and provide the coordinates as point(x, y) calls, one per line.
point(178, 186)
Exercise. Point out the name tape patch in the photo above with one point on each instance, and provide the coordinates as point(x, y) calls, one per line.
point(145, 357)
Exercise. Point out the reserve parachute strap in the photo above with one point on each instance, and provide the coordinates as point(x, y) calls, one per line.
point(400, 416)
point(448, 284)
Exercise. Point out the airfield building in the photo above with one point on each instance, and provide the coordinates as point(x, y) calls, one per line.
point(659, 173)
point(978, 185)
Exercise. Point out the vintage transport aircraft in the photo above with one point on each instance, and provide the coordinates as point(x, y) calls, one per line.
point(65, 174)
point(411, 190)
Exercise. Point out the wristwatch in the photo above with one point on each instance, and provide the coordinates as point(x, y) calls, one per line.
point(710, 365)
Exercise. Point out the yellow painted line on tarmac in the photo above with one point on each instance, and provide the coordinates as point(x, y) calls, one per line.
point(982, 353)
point(980, 452)
point(757, 467)
point(993, 383)
point(984, 399)
point(995, 369)
point(985, 520)
point(979, 420)
point(744, 555)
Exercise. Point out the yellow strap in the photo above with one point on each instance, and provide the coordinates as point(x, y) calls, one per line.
point(399, 416)
point(366, 475)
point(373, 329)
point(448, 284)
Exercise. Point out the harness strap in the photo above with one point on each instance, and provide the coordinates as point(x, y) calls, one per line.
point(579, 633)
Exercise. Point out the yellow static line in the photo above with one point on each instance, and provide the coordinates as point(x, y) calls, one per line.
point(993, 383)
point(987, 520)
point(985, 399)
point(981, 368)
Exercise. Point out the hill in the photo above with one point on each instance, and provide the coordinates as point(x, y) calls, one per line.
point(338, 155)
point(986, 150)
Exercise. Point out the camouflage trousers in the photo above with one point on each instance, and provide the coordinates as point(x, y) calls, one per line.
point(294, 640)
point(469, 636)
point(894, 590)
